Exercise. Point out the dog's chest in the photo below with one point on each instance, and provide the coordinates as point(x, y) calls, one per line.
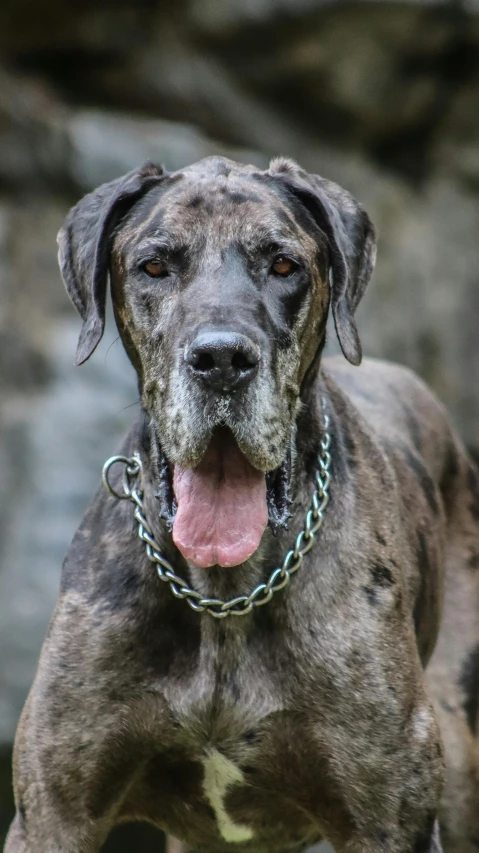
point(232, 769)
point(228, 783)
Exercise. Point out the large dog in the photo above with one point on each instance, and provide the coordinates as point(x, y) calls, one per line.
point(308, 717)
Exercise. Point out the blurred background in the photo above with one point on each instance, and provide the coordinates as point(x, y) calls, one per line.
point(382, 97)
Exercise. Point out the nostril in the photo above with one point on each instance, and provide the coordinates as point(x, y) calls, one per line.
point(204, 362)
point(241, 362)
point(222, 360)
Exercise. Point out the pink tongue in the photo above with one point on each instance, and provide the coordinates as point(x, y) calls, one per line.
point(222, 511)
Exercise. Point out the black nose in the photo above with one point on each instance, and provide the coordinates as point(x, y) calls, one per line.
point(223, 360)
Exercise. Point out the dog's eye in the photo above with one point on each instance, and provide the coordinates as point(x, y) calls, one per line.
point(155, 268)
point(283, 266)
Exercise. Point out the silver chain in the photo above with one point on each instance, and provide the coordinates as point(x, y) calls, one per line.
point(278, 579)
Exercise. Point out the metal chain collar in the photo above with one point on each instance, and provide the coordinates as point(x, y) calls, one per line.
point(261, 594)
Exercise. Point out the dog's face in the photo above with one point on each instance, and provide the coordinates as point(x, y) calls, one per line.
point(222, 294)
point(221, 279)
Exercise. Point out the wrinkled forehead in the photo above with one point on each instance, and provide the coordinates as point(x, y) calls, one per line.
point(216, 201)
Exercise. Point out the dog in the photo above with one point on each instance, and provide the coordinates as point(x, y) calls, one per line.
point(311, 716)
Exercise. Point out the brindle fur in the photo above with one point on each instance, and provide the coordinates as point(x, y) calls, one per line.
point(320, 696)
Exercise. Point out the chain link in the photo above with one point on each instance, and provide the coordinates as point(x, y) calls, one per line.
point(279, 577)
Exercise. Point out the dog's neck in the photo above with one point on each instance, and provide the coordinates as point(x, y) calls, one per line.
point(228, 583)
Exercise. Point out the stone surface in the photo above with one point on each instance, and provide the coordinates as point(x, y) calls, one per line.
point(58, 424)
point(379, 96)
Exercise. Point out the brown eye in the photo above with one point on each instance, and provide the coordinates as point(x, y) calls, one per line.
point(155, 268)
point(283, 266)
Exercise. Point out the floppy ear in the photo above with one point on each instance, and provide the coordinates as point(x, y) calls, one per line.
point(351, 241)
point(84, 248)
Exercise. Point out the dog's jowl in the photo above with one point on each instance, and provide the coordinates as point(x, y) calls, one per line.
point(238, 696)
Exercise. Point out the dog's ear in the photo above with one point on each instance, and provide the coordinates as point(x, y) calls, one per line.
point(84, 248)
point(351, 240)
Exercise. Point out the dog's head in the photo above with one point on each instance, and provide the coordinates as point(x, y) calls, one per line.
point(221, 276)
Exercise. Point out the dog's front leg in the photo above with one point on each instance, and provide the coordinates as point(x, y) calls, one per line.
point(436, 846)
point(428, 841)
point(19, 840)
point(174, 845)
point(16, 839)
point(72, 770)
point(49, 818)
point(382, 778)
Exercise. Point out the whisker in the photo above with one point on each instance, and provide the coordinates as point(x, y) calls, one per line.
point(130, 405)
point(109, 348)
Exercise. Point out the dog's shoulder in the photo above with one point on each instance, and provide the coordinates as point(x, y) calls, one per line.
point(398, 407)
point(106, 534)
point(377, 383)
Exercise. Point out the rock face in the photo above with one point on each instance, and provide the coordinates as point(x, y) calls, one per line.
point(381, 97)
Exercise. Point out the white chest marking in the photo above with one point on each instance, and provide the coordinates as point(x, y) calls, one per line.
point(220, 775)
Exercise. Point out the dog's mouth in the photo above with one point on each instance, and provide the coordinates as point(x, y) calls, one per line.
point(219, 510)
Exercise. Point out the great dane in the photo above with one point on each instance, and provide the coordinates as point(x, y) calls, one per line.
point(306, 711)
